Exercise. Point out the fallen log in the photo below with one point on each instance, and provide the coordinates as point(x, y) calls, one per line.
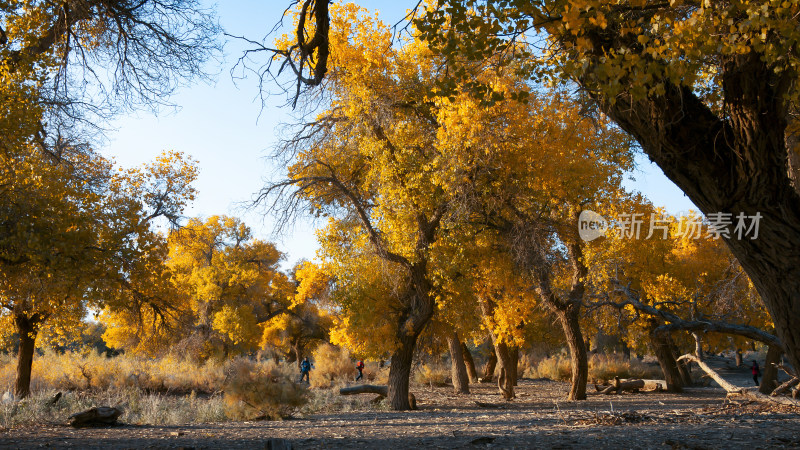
point(736, 391)
point(382, 391)
point(101, 416)
point(365, 389)
point(631, 385)
point(785, 387)
point(627, 385)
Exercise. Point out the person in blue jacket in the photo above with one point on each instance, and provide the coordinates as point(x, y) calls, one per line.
point(305, 368)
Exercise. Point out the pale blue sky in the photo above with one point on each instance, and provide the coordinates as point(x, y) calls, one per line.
point(219, 125)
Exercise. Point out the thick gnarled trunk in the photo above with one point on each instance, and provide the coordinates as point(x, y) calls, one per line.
point(661, 346)
point(770, 379)
point(399, 373)
point(27, 329)
point(458, 370)
point(683, 366)
point(505, 381)
point(568, 312)
point(737, 164)
point(419, 310)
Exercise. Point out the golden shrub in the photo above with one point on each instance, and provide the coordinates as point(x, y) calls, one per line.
point(261, 390)
point(436, 375)
point(331, 364)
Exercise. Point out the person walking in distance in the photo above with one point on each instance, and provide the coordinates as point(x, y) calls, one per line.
point(360, 368)
point(305, 368)
point(756, 372)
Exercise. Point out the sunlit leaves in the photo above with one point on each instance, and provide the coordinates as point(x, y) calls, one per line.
point(621, 46)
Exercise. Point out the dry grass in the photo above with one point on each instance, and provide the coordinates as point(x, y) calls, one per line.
point(553, 368)
point(329, 401)
point(331, 364)
point(151, 391)
point(601, 367)
point(77, 371)
point(264, 390)
point(376, 374)
point(432, 374)
point(606, 367)
point(139, 407)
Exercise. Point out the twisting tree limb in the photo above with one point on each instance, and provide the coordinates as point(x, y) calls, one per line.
point(676, 323)
point(734, 390)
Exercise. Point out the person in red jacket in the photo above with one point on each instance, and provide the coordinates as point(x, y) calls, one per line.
point(756, 372)
point(360, 368)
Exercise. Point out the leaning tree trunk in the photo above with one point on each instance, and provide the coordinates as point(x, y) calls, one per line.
point(666, 359)
point(734, 164)
point(489, 367)
point(470, 363)
point(458, 370)
point(770, 379)
point(27, 329)
point(579, 362)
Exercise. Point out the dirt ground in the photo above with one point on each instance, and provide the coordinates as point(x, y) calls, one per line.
point(701, 418)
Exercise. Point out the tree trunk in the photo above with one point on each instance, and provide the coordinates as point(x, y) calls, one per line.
point(666, 359)
point(417, 313)
point(458, 370)
point(297, 350)
point(577, 352)
point(734, 164)
point(568, 312)
point(470, 363)
point(685, 370)
point(698, 346)
point(27, 329)
point(683, 366)
point(399, 372)
point(513, 370)
point(738, 357)
point(626, 351)
point(489, 367)
point(504, 382)
point(770, 376)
